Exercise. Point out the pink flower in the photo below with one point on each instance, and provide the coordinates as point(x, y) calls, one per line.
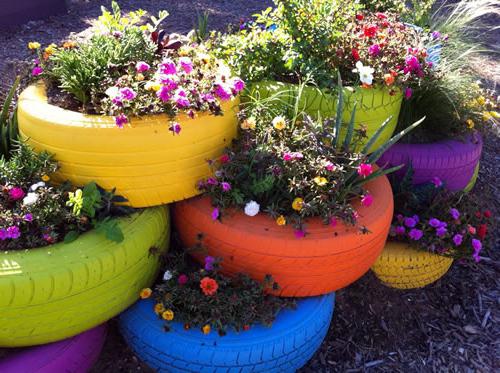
point(365, 169)
point(37, 70)
point(186, 64)
point(169, 84)
point(127, 94)
point(299, 233)
point(14, 232)
point(226, 187)
point(211, 181)
point(120, 120)
point(408, 92)
point(141, 67)
point(16, 193)
point(238, 85)
point(412, 65)
point(287, 157)
point(168, 67)
point(329, 166)
point(215, 213)
point(367, 200)
point(175, 128)
point(180, 99)
point(222, 92)
point(436, 181)
point(374, 50)
point(208, 97)
point(183, 279)
point(164, 93)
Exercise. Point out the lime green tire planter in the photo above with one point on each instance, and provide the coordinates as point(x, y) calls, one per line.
point(55, 292)
point(373, 105)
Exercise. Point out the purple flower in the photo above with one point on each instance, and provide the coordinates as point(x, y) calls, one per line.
point(3, 234)
point(13, 232)
point(127, 93)
point(374, 50)
point(416, 218)
point(441, 231)
point(120, 120)
point(186, 64)
point(416, 234)
point(476, 244)
point(299, 233)
point(457, 239)
point(209, 263)
point(175, 128)
point(455, 214)
point(163, 93)
point(37, 70)
point(399, 217)
point(226, 187)
point(412, 65)
point(141, 67)
point(238, 85)
point(215, 214)
point(222, 92)
point(436, 181)
point(400, 230)
point(169, 84)
point(212, 181)
point(28, 217)
point(167, 67)
point(208, 97)
point(408, 92)
point(180, 99)
point(410, 222)
point(436, 35)
point(435, 223)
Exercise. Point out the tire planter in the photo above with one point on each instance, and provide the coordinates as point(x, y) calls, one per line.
point(21, 11)
point(58, 291)
point(144, 161)
point(452, 161)
point(325, 260)
point(374, 105)
point(73, 355)
point(285, 347)
point(401, 267)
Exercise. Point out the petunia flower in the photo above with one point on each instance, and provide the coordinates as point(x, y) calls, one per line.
point(299, 233)
point(16, 193)
point(37, 70)
point(410, 222)
point(226, 187)
point(415, 234)
point(408, 92)
point(374, 50)
point(215, 213)
point(186, 64)
point(141, 67)
point(28, 217)
point(457, 239)
point(365, 73)
point(120, 120)
point(455, 214)
point(222, 92)
point(238, 85)
point(435, 223)
point(13, 232)
point(168, 67)
point(367, 200)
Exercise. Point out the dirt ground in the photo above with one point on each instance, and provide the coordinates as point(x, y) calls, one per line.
point(450, 326)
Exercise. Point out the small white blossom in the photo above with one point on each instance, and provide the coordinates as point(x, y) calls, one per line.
point(112, 92)
point(252, 208)
point(167, 276)
point(30, 199)
point(365, 73)
point(34, 187)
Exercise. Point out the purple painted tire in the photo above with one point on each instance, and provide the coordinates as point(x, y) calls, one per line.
point(72, 355)
point(452, 161)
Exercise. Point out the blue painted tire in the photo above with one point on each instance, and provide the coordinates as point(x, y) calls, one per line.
point(285, 347)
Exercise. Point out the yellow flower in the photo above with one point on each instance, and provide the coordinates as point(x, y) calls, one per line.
point(281, 220)
point(481, 100)
point(45, 178)
point(319, 180)
point(184, 51)
point(248, 124)
point(168, 315)
point(152, 86)
point(124, 21)
point(33, 45)
point(69, 44)
point(470, 123)
point(145, 293)
point(159, 308)
point(139, 77)
point(487, 116)
point(494, 114)
point(279, 123)
point(50, 49)
point(298, 204)
point(206, 329)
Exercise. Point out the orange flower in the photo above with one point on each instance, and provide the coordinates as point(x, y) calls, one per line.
point(389, 79)
point(69, 44)
point(206, 329)
point(159, 308)
point(209, 286)
point(145, 293)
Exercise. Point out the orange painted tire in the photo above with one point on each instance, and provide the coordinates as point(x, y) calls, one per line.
point(326, 260)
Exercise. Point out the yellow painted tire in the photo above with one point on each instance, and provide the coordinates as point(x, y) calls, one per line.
point(402, 267)
point(144, 161)
point(374, 105)
point(58, 291)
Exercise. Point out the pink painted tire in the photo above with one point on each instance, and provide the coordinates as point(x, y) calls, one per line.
point(72, 355)
point(452, 161)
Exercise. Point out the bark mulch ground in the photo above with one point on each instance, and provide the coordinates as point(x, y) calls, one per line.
point(450, 326)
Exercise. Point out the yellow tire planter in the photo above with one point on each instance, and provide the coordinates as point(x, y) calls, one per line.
point(58, 291)
point(374, 105)
point(144, 161)
point(402, 267)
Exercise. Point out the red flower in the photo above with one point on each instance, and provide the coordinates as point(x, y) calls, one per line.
point(487, 214)
point(355, 54)
point(381, 15)
point(246, 327)
point(360, 17)
point(482, 230)
point(224, 158)
point(209, 286)
point(370, 31)
point(478, 214)
point(183, 279)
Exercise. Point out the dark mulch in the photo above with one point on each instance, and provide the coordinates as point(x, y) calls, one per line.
point(452, 325)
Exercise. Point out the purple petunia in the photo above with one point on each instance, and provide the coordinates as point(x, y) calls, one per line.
point(226, 187)
point(415, 234)
point(127, 93)
point(222, 92)
point(186, 64)
point(209, 263)
point(435, 223)
point(141, 67)
point(238, 85)
point(13, 232)
point(168, 67)
point(441, 231)
point(410, 222)
point(164, 93)
point(28, 217)
point(120, 120)
point(400, 230)
point(455, 214)
point(457, 239)
point(3, 234)
point(215, 214)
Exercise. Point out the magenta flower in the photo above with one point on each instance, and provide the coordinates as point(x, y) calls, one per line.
point(408, 92)
point(212, 181)
point(37, 70)
point(168, 67)
point(127, 93)
point(226, 187)
point(238, 85)
point(13, 232)
point(365, 169)
point(169, 84)
point(141, 67)
point(28, 217)
point(415, 234)
point(410, 222)
point(208, 97)
point(299, 233)
point(457, 239)
point(436, 181)
point(163, 93)
point(287, 157)
point(183, 279)
point(16, 193)
point(400, 230)
point(3, 234)
point(435, 223)
point(367, 200)
point(180, 99)
point(333, 221)
point(374, 50)
point(215, 213)
point(222, 92)
point(175, 128)
point(120, 120)
point(329, 166)
point(412, 65)
point(455, 214)
point(186, 64)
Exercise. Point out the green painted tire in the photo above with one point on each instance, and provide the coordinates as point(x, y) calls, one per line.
point(55, 292)
point(374, 105)
point(473, 180)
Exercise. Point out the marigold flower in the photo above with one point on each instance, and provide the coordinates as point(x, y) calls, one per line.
point(487, 116)
point(389, 79)
point(159, 308)
point(145, 293)
point(481, 100)
point(168, 315)
point(45, 178)
point(33, 45)
point(279, 123)
point(281, 220)
point(470, 123)
point(248, 124)
point(320, 180)
point(206, 329)
point(209, 286)
point(298, 204)
point(69, 44)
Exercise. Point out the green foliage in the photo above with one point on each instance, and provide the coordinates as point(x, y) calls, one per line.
point(417, 12)
point(8, 123)
point(237, 303)
point(201, 30)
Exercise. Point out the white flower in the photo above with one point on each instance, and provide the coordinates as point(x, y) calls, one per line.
point(30, 199)
point(112, 92)
point(34, 187)
point(223, 71)
point(252, 208)
point(167, 276)
point(365, 73)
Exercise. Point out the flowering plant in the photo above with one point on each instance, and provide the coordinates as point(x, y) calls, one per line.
point(293, 167)
point(34, 213)
point(126, 70)
point(430, 218)
point(205, 298)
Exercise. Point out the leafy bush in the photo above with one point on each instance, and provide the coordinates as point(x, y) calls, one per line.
point(35, 214)
point(206, 299)
point(417, 12)
point(8, 123)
